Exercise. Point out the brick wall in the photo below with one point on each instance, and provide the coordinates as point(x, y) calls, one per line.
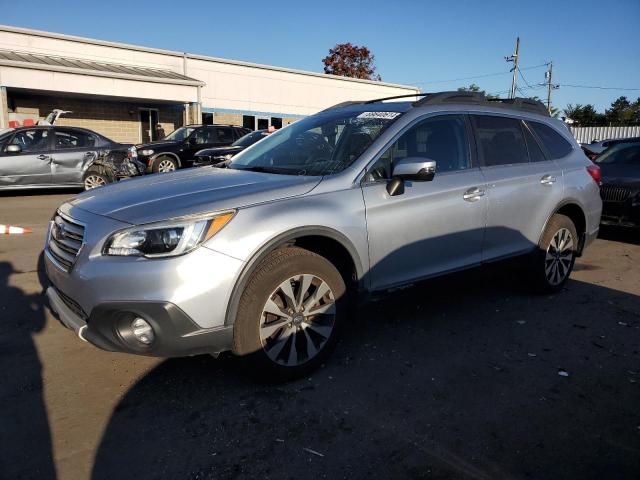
point(227, 118)
point(119, 121)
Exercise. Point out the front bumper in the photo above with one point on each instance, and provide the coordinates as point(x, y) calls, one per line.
point(184, 298)
point(625, 214)
point(175, 333)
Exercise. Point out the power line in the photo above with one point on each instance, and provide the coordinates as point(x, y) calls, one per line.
point(477, 76)
point(598, 87)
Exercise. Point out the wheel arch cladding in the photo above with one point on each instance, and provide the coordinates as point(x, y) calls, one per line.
point(167, 154)
point(577, 216)
point(323, 241)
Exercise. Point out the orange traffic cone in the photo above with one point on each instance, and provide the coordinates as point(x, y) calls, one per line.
point(11, 230)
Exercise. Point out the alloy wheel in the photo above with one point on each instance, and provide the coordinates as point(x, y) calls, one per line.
point(297, 320)
point(166, 166)
point(559, 256)
point(94, 181)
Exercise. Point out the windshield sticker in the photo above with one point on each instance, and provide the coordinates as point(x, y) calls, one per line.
point(383, 115)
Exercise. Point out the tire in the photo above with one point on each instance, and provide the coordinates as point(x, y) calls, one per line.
point(164, 164)
point(553, 261)
point(94, 179)
point(282, 339)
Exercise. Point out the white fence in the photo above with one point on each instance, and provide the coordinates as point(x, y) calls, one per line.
point(587, 134)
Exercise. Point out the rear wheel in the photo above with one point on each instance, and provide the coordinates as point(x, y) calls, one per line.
point(94, 179)
point(289, 314)
point(164, 164)
point(556, 254)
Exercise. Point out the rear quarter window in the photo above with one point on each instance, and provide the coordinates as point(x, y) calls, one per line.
point(555, 143)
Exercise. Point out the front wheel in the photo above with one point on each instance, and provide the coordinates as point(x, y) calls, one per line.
point(553, 261)
point(164, 164)
point(289, 314)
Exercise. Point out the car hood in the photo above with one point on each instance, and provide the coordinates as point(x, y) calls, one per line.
point(155, 145)
point(620, 174)
point(218, 151)
point(189, 192)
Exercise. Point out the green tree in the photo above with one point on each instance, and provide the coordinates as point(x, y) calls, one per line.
point(475, 88)
point(620, 112)
point(585, 115)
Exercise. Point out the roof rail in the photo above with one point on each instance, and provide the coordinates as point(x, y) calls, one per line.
point(524, 104)
point(375, 100)
point(460, 97)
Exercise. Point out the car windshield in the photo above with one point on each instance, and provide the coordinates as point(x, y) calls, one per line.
point(180, 134)
point(621, 154)
point(250, 139)
point(321, 144)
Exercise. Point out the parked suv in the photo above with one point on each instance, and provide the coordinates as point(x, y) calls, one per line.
point(53, 156)
point(262, 257)
point(177, 150)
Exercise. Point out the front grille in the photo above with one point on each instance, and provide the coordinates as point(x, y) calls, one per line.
point(612, 193)
point(72, 305)
point(65, 241)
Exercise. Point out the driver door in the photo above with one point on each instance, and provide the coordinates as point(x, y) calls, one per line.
point(434, 226)
point(30, 166)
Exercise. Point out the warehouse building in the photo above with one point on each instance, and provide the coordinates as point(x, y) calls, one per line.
point(125, 91)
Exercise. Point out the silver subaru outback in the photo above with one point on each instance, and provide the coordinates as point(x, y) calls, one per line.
point(261, 258)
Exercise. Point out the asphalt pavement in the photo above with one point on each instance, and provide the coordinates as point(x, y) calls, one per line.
point(470, 376)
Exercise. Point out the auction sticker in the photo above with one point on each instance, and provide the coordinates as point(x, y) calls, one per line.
point(383, 115)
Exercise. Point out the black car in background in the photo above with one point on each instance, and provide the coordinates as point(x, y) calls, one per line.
point(594, 149)
point(178, 149)
point(213, 156)
point(620, 191)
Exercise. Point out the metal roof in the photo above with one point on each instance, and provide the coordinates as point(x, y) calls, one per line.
point(90, 67)
point(137, 48)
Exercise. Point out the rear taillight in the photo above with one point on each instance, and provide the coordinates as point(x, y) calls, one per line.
point(594, 171)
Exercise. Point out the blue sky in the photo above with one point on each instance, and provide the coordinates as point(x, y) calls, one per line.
point(591, 42)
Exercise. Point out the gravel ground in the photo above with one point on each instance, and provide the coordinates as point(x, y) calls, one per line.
point(468, 376)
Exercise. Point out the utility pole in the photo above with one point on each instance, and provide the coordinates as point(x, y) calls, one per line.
point(549, 75)
point(515, 58)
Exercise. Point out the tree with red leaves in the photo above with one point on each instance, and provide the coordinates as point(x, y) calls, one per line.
point(347, 60)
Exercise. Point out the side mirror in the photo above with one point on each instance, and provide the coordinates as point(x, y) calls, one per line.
point(192, 140)
point(13, 149)
point(411, 168)
point(415, 168)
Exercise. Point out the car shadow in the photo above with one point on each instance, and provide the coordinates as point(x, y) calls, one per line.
point(466, 376)
point(620, 234)
point(25, 439)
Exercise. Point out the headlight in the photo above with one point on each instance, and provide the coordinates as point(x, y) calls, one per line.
point(165, 239)
point(228, 156)
point(147, 152)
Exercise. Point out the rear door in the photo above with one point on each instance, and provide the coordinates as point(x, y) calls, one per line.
point(523, 185)
point(74, 150)
point(32, 165)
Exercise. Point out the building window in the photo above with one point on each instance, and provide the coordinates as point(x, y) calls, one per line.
point(207, 118)
point(249, 121)
point(276, 122)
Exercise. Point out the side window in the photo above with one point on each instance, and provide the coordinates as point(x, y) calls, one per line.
point(73, 139)
point(34, 140)
point(442, 139)
point(535, 153)
point(500, 140)
point(224, 135)
point(555, 144)
point(205, 135)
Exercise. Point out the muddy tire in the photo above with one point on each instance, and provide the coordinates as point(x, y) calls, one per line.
point(289, 315)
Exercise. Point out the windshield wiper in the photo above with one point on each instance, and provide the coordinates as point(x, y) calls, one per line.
point(262, 169)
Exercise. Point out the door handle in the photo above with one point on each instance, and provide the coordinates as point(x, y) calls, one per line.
point(473, 194)
point(548, 180)
point(43, 157)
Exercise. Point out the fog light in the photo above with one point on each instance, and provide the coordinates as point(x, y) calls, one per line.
point(142, 331)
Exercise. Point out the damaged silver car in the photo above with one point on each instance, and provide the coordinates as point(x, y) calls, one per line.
point(46, 156)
